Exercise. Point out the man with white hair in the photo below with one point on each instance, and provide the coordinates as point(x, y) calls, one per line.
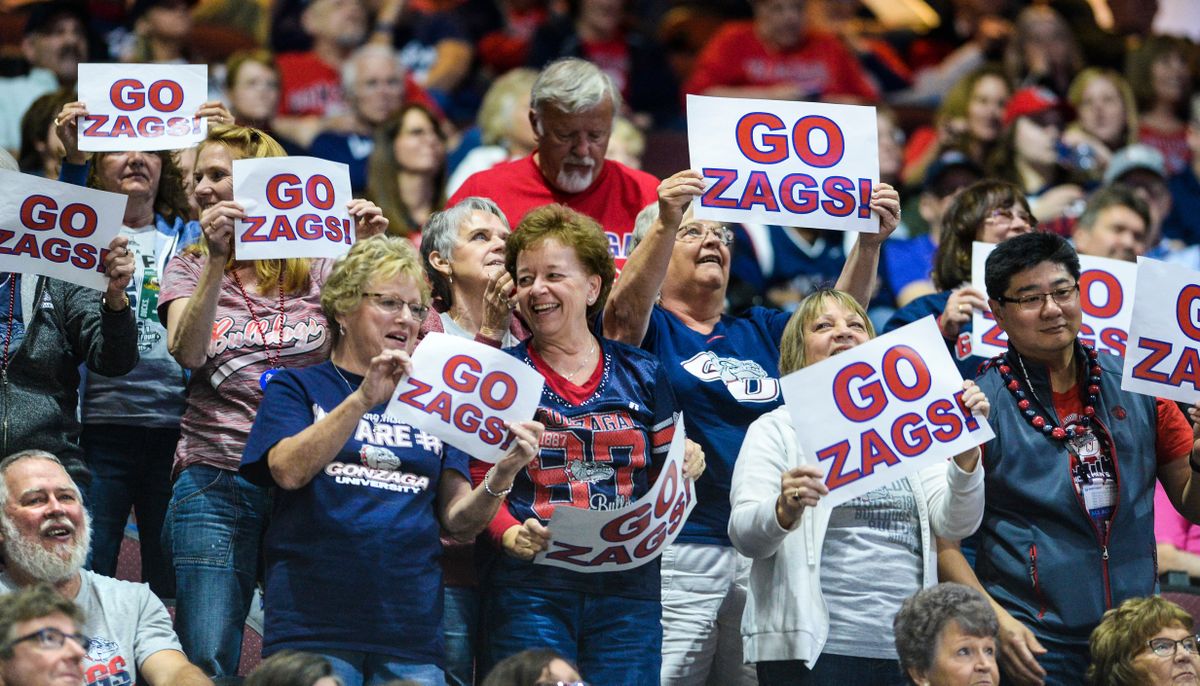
point(44, 535)
point(373, 83)
point(571, 109)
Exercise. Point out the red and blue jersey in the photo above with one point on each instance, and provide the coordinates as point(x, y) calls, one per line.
point(603, 446)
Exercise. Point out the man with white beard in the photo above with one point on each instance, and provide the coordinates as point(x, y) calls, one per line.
point(44, 535)
point(571, 109)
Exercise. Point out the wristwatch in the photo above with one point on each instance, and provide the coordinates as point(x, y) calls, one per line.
point(105, 306)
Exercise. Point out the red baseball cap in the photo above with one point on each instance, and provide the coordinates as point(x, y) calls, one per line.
point(1032, 101)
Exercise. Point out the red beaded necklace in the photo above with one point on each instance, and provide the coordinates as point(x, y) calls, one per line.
point(273, 363)
point(1043, 423)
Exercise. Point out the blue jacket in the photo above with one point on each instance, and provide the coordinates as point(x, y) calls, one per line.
point(1040, 554)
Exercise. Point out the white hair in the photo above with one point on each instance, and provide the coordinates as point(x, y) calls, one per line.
point(573, 85)
point(350, 65)
point(642, 224)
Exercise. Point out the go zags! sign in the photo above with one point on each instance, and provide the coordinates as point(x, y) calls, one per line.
point(141, 106)
point(593, 541)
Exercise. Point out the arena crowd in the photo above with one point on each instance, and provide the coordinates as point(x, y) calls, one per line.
point(520, 180)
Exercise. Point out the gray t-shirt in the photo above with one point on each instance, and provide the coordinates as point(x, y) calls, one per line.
point(126, 622)
point(878, 530)
point(152, 394)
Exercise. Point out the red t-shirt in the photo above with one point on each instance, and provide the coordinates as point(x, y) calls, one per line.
point(614, 198)
point(820, 64)
point(308, 86)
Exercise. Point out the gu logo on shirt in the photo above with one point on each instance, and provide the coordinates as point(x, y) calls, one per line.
point(746, 380)
point(105, 666)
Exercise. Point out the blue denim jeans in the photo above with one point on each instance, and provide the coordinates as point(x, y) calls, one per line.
point(614, 641)
point(131, 468)
point(832, 670)
point(214, 531)
point(368, 669)
point(1065, 665)
point(460, 621)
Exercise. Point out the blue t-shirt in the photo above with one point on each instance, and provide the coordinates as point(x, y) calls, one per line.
point(599, 455)
point(350, 149)
point(904, 262)
point(724, 381)
point(776, 257)
point(1183, 223)
point(352, 556)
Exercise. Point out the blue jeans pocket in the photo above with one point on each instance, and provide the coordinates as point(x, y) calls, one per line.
point(203, 516)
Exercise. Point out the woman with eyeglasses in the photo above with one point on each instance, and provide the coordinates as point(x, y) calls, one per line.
point(233, 323)
point(987, 211)
point(352, 550)
point(670, 300)
point(810, 619)
point(1145, 642)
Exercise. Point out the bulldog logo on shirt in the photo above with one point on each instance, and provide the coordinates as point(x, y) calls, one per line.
point(378, 458)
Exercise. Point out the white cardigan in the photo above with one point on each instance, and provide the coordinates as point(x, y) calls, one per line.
point(786, 617)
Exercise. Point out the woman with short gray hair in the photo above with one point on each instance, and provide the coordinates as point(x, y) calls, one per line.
point(946, 636)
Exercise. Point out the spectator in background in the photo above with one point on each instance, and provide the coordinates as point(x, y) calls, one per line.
point(891, 145)
point(1178, 540)
point(1042, 51)
point(1115, 224)
point(603, 33)
point(1106, 118)
point(406, 171)
point(252, 90)
point(572, 108)
point(54, 43)
point(1028, 153)
point(42, 644)
point(161, 30)
point(41, 150)
point(989, 211)
point(504, 45)
point(1141, 168)
point(626, 144)
point(946, 636)
point(503, 121)
point(1183, 223)
point(778, 55)
point(883, 66)
point(433, 46)
point(46, 535)
point(907, 265)
point(1144, 642)
point(1160, 73)
point(373, 86)
point(970, 119)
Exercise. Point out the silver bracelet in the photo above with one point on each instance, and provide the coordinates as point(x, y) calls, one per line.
point(488, 489)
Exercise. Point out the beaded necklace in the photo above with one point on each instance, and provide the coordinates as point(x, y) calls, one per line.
point(272, 360)
point(1038, 420)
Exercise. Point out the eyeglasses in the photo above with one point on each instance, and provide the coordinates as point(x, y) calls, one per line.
point(1006, 216)
point(1165, 647)
point(561, 683)
point(392, 305)
point(692, 233)
point(1033, 301)
point(52, 639)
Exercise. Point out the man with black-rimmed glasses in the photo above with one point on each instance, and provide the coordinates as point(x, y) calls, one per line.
point(41, 645)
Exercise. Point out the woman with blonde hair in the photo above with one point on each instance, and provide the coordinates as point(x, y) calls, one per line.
point(808, 618)
point(233, 323)
point(1106, 117)
point(323, 428)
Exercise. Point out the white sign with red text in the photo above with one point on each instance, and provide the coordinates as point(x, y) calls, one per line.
point(142, 106)
point(57, 229)
point(807, 164)
point(465, 393)
point(593, 541)
point(295, 207)
point(882, 410)
point(1106, 290)
point(1163, 355)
